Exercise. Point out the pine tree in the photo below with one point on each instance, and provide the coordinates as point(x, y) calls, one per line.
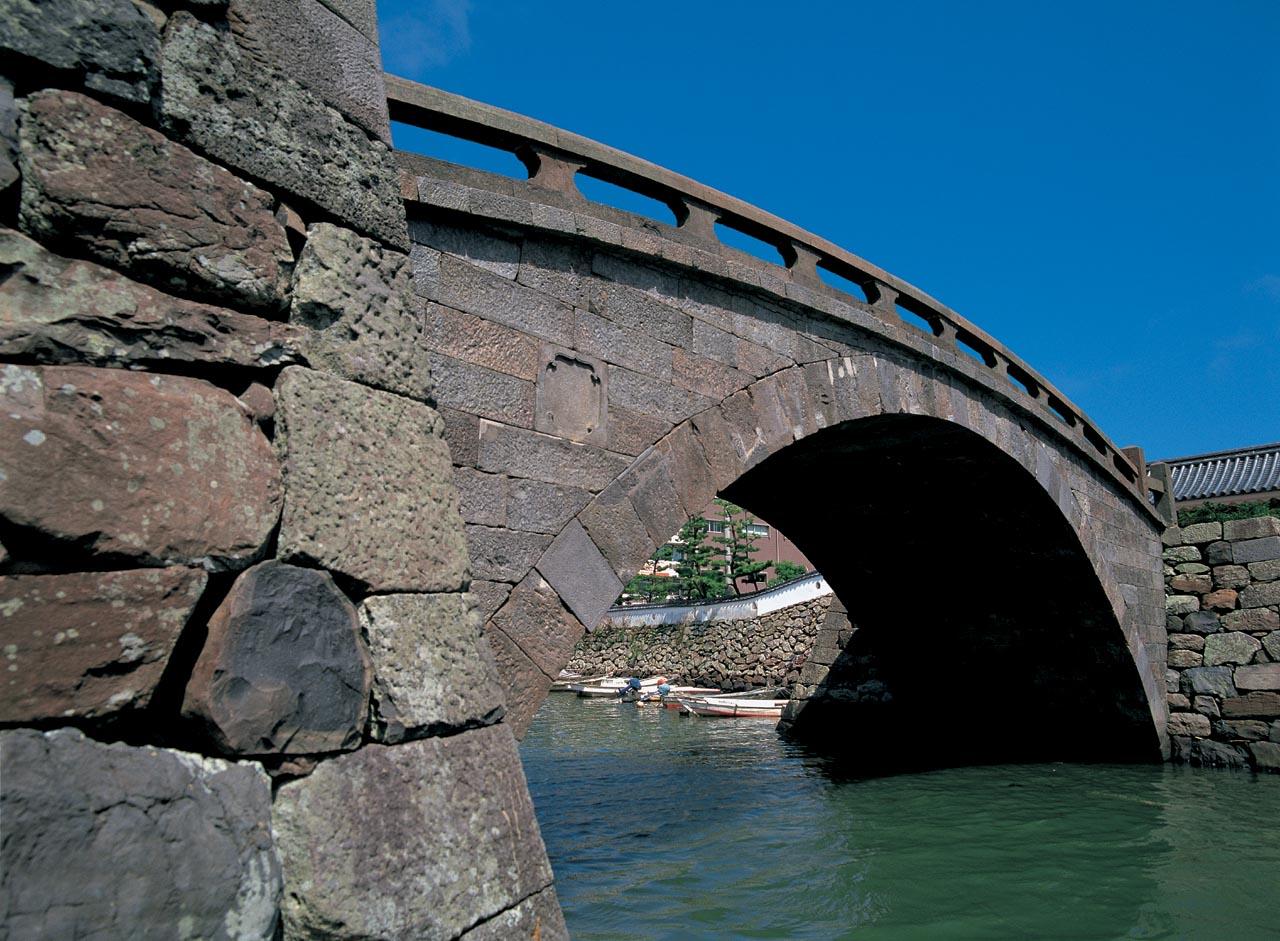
point(700, 568)
point(784, 571)
point(739, 543)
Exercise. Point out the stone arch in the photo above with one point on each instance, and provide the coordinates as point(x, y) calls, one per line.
point(582, 571)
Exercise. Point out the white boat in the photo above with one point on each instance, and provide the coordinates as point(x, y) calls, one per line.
point(612, 685)
point(729, 707)
point(566, 681)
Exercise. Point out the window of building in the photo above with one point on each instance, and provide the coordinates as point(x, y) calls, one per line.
point(757, 529)
point(715, 526)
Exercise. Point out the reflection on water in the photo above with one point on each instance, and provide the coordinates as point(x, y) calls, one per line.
point(667, 827)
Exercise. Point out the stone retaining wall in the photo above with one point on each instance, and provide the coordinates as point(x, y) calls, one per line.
point(239, 659)
point(764, 651)
point(1223, 615)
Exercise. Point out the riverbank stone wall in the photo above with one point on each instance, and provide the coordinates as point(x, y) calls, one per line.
point(1223, 616)
point(244, 694)
point(740, 653)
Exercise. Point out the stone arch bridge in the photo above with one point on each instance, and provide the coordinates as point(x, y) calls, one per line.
point(289, 415)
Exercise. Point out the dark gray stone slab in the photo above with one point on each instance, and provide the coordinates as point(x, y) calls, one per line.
point(109, 841)
point(481, 391)
point(503, 555)
point(518, 452)
point(580, 574)
point(538, 916)
point(283, 670)
point(462, 852)
point(535, 617)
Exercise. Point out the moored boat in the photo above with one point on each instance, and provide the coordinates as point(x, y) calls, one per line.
point(729, 707)
point(613, 685)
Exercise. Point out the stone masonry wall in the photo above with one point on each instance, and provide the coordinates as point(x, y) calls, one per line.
point(239, 660)
point(1223, 615)
point(764, 651)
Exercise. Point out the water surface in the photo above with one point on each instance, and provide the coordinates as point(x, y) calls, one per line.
point(667, 827)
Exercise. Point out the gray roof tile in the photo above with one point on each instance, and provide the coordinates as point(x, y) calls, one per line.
point(1226, 473)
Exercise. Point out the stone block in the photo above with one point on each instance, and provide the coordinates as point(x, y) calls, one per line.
point(1171, 536)
point(255, 119)
point(538, 917)
point(466, 287)
point(524, 685)
point(62, 310)
point(716, 438)
point(353, 299)
point(110, 45)
point(1205, 753)
point(369, 488)
point(690, 469)
point(1251, 620)
point(476, 340)
point(464, 852)
point(556, 268)
point(581, 575)
point(480, 391)
point(482, 498)
point(1232, 647)
point(1180, 659)
point(1267, 571)
point(1262, 705)
point(632, 433)
point(706, 376)
point(99, 182)
point(1211, 681)
point(539, 507)
point(632, 349)
point(572, 396)
point(483, 249)
point(1256, 528)
point(1249, 730)
point(1266, 756)
point(1260, 595)
point(637, 310)
point(503, 555)
point(1190, 724)
point(1202, 622)
point(8, 135)
point(320, 51)
point(1176, 554)
point(613, 525)
point(109, 841)
point(1230, 576)
point(432, 670)
point(1218, 553)
point(1207, 706)
point(1194, 584)
point(1256, 550)
point(89, 644)
point(1178, 701)
point(462, 435)
point(518, 452)
point(1224, 599)
point(1271, 644)
point(649, 396)
point(283, 669)
point(1201, 533)
point(1181, 604)
point(487, 597)
point(1192, 568)
point(1260, 676)
point(158, 469)
point(653, 494)
point(1186, 642)
point(536, 619)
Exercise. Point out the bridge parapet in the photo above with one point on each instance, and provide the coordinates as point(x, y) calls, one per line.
point(550, 200)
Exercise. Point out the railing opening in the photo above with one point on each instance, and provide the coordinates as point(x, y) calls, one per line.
point(841, 283)
point(1064, 414)
point(969, 344)
point(1020, 377)
point(923, 323)
point(738, 239)
point(1094, 439)
point(619, 197)
point(465, 153)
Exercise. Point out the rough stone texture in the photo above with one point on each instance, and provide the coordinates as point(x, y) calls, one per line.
point(1256, 550)
point(357, 300)
point(487, 597)
point(421, 840)
point(432, 669)
point(109, 841)
point(1260, 594)
point(369, 488)
point(110, 45)
point(1255, 528)
point(1252, 620)
point(524, 684)
point(283, 670)
point(89, 644)
point(8, 136)
point(1233, 647)
point(580, 574)
point(160, 469)
point(522, 453)
point(98, 181)
point(502, 554)
point(537, 918)
point(1266, 756)
point(317, 48)
point(1186, 723)
point(1211, 680)
point(260, 122)
point(1202, 622)
point(62, 310)
point(1261, 676)
point(536, 619)
point(1201, 532)
point(1264, 705)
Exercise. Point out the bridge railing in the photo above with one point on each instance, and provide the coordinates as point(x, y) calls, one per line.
point(554, 158)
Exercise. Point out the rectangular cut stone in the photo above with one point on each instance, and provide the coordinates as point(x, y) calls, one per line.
point(483, 342)
point(556, 268)
point(1255, 528)
point(524, 684)
point(536, 619)
point(520, 453)
point(1256, 550)
point(487, 597)
point(503, 555)
point(653, 397)
point(1267, 571)
point(462, 434)
point(580, 574)
point(482, 498)
point(706, 376)
point(631, 349)
point(1201, 533)
point(1260, 595)
point(369, 485)
point(631, 432)
point(636, 310)
point(1262, 705)
point(539, 507)
point(466, 287)
point(653, 494)
point(491, 252)
point(690, 471)
point(480, 391)
point(1260, 676)
point(613, 525)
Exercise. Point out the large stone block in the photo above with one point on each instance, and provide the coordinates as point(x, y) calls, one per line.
point(503, 449)
point(109, 187)
point(1188, 723)
point(356, 299)
point(1259, 676)
point(503, 555)
point(110, 45)
point(255, 119)
point(432, 669)
point(161, 469)
point(369, 489)
point(1261, 705)
point(283, 670)
point(89, 644)
point(109, 841)
point(539, 917)
point(1256, 528)
point(540, 507)
point(455, 810)
point(476, 340)
point(320, 51)
point(1260, 595)
point(1256, 550)
point(580, 574)
point(524, 685)
point(481, 391)
point(538, 621)
point(63, 310)
point(1215, 681)
point(1201, 533)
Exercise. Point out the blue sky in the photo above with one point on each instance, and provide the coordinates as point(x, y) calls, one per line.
point(1095, 184)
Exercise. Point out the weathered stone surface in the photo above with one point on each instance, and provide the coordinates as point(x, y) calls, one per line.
point(503, 555)
point(463, 852)
point(476, 340)
point(524, 685)
point(1214, 681)
point(540, 507)
point(283, 669)
point(1189, 723)
point(8, 135)
point(369, 488)
point(483, 249)
point(1202, 622)
point(1255, 528)
point(1260, 594)
point(1271, 644)
point(487, 597)
point(1251, 620)
point(109, 841)
point(319, 50)
point(1201, 532)
point(1181, 604)
point(1264, 705)
point(95, 179)
point(1267, 571)
point(536, 619)
point(1259, 676)
point(1250, 730)
point(1207, 706)
point(432, 669)
point(1185, 658)
point(89, 644)
point(259, 403)
point(1224, 599)
point(1256, 550)
point(163, 469)
point(537, 917)
point(481, 391)
point(1206, 753)
point(1186, 642)
point(1197, 584)
point(1181, 554)
point(1218, 553)
point(1178, 701)
point(1232, 647)
point(1192, 568)
point(111, 45)
point(356, 298)
point(266, 125)
point(580, 574)
point(62, 310)
point(523, 453)
point(1266, 756)
point(1230, 576)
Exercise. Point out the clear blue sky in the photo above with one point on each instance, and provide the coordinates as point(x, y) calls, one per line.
point(1095, 184)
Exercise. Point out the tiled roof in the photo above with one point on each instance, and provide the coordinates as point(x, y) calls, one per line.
point(1226, 473)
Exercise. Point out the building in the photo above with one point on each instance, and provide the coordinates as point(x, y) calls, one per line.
point(1241, 475)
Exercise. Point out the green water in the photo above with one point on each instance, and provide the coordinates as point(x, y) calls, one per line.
point(667, 827)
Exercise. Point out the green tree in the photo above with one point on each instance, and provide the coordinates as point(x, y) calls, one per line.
point(784, 571)
point(648, 584)
point(739, 544)
point(700, 568)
